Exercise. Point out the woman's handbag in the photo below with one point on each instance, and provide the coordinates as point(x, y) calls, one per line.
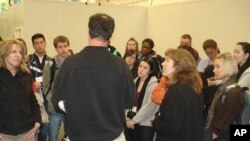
point(44, 114)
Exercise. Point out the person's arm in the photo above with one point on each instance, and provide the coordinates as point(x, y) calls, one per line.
point(149, 108)
point(46, 77)
point(34, 130)
point(244, 80)
point(169, 122)
point(129, 90)
point(213, 82)
point(35, 108)
point(159, 91)
point(60, 86)
point(37, 85)
point(202, 64)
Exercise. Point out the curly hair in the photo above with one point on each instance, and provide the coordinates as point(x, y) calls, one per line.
point(5, 49)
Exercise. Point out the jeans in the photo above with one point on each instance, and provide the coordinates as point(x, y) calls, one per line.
point(43, 132)
point(55, 122)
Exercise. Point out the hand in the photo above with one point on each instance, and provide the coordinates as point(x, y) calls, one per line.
point(1, 138)
point(37, 85)
point(33, 131)
point(152, 120)
point(214, 136)
point(130, 124)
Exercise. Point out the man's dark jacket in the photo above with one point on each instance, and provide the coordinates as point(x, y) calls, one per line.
point(96, 88)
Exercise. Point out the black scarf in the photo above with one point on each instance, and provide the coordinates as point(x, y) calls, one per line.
point(143, 90)
point(241, 69)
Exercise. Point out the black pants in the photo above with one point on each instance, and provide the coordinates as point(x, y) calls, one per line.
point(129, 133)
point(140, 133)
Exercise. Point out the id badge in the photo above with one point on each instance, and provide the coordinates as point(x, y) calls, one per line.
point(39, 79)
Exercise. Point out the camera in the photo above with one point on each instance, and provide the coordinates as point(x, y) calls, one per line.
point(131, 114)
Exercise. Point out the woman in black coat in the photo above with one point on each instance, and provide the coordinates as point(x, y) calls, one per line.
point(180, 114)
point(20, 114)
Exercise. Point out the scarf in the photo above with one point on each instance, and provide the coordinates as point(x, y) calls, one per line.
point(142, 92)
point(221, 90)
point(242, 69)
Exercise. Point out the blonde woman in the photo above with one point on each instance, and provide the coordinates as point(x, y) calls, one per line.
point(20, 115)
point(132, 44)
point(226, 104)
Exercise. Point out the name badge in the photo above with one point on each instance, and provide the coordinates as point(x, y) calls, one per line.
point(39, 79)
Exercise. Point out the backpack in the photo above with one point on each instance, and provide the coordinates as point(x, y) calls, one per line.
point(52, 74)
point(114, 51)
point(244, 117)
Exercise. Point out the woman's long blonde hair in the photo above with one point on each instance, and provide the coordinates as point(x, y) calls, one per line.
point(5, 49)
point(185, 69)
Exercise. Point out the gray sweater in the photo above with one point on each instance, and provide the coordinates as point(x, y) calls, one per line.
point(46, 80)
point(148, 108)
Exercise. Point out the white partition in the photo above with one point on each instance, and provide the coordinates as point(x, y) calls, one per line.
point(11, 20)
point(226, 21)
point(71, 19)
point(54, 18)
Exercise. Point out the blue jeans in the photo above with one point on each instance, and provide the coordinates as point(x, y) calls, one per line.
point(55, 122)
point(42, 134)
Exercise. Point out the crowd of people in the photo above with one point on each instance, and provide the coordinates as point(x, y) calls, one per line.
point(101, 96)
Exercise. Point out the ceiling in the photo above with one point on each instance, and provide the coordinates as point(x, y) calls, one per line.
point(139, 2)
point(120, 2)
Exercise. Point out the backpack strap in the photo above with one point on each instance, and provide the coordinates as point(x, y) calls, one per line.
point(30, 58)
point(228, 89)
point(52, 74)
point(232, 86)
point(244, 118)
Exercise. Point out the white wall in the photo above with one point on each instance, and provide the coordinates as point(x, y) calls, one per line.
point(226, 21)
point(71, 19)
point(11, 20)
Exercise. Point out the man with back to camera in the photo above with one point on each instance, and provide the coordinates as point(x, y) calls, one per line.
point(95, 87)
